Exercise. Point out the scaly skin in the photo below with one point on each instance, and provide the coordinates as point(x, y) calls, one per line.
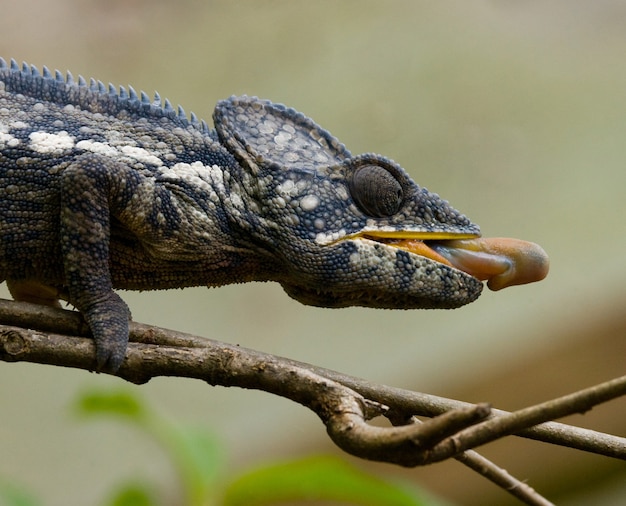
point(102, 189)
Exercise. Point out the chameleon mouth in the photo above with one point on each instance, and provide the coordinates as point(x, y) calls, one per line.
point(500, 261)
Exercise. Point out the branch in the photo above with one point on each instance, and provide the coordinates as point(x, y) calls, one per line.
point(407, 401)
point(342, 402)
point(343, 411)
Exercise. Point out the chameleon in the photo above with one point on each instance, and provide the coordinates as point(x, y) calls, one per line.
point(104, 188)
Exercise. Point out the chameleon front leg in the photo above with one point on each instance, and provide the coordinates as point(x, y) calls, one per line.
point(90, 192)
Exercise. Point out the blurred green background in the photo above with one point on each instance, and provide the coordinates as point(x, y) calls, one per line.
point(515, 112)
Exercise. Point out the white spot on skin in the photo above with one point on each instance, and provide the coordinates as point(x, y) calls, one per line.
point(51, 144)
point(342, 193)
point(324, 239)
point(6, 138)
point(195, 170)
point(287, 189)
point(365, 256)
point(12, 143)
point(309, 202)
point(207, 178)
point(236, 201)
point(282, 138)
point(267, 127)
point(100, 148)
point(141, 155)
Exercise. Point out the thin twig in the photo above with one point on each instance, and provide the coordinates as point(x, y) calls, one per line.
point(504, 425)
point(422, 404)
point(502, 478)
point(494, 473)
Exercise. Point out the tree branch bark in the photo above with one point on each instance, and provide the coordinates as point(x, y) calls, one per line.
point(343, 403)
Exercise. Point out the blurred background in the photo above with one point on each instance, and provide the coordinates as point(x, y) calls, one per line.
point(512, 111)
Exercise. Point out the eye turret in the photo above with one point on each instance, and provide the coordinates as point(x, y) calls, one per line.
point(376, 191)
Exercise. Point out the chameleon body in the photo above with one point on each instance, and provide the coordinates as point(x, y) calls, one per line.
point(103, 188)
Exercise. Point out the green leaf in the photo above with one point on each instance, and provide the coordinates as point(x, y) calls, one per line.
point(120, 403)
point(198, 458)
point(133, 494)
point(316, 478)
point(10, 495)
point(195, 453)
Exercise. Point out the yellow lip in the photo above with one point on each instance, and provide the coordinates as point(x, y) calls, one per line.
point(409, 235)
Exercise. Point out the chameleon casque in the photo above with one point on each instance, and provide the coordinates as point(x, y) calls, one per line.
point(103, 188)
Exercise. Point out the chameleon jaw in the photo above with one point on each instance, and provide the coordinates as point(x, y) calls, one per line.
point(416, 242)
point(502, 262)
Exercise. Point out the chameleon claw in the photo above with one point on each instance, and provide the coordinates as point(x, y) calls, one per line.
point(108, 321)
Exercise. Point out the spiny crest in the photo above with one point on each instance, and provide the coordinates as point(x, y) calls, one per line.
point(125, 98)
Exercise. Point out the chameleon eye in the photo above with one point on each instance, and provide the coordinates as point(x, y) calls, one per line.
point(376, 191)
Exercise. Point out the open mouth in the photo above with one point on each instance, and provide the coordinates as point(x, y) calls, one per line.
point(500, 261)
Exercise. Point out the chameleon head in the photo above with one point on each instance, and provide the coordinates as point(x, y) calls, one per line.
point(357, 231)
